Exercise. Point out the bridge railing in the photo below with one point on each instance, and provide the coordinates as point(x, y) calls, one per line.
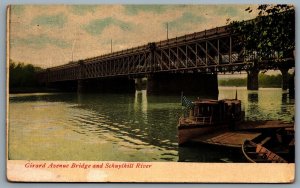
point(117, 54)
point(193, 36)
point(207, 50)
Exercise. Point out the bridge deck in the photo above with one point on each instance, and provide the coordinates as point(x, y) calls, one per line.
point(213, 50)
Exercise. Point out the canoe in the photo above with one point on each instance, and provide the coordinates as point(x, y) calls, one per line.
point(256, 153)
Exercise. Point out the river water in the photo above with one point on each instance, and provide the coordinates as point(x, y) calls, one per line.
point(121, 127)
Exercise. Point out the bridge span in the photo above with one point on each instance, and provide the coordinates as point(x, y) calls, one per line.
point(186, 63)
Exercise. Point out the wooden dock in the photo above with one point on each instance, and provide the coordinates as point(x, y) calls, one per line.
point(226, 138)
point(248, 130)
point(261, 125)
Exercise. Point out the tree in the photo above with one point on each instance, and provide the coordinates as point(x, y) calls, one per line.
point(22, 75)
point(271, 33)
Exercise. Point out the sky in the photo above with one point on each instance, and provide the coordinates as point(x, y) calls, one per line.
point(48, 36)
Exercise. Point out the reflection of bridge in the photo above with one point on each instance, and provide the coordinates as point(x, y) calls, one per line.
point(164, 63)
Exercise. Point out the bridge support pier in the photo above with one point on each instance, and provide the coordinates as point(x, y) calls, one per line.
point(109, 85)
point(65, 86)
point(285, 78)
point(252, 79)
point(140, 84)
point(292, 86)
point(79, 86)
point(203, 85)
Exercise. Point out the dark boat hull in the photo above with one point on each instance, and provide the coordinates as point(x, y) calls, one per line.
point(186, 133)
point(256, 153)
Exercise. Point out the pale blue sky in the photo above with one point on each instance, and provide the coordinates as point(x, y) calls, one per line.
point(49, 35)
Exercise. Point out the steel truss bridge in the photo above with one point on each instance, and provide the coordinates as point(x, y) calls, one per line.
point(214, 50)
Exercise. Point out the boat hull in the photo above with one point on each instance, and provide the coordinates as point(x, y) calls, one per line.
point(186, 133)
point(256, 153)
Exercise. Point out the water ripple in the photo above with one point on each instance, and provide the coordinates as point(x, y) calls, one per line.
point(119, 127)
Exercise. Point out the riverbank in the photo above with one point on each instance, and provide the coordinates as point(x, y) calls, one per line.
point(31, 90)
point(264, 81)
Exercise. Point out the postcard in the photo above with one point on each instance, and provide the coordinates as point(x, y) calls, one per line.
point(151, 93)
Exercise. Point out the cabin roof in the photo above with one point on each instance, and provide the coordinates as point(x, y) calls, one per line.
point(235, 101)
point(206, 101)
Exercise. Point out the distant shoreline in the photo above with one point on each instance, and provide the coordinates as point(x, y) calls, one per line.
point(30, 90)
point(264, 86)
point(47, 90)
point(264, 81)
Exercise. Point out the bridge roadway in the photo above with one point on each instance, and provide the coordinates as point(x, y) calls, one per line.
point(209, 51)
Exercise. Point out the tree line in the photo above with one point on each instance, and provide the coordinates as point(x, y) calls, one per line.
point(271, 32)
point(271, 81)
point(23, 76)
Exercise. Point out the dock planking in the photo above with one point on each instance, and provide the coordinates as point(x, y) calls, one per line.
point(270, 124)
point(226, 138)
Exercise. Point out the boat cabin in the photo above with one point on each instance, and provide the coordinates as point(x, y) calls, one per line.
point(216, 111)
point(209, 115)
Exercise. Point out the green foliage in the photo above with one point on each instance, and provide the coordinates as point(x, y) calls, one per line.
point(22, 76)
point(269, 81)
point(272, 32)
point(233, 82)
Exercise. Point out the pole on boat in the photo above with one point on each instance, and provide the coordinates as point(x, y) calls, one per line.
point(181, 98)
point(236, 94)
point(182, 106)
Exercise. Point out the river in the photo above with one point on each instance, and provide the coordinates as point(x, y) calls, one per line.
point(121, 127)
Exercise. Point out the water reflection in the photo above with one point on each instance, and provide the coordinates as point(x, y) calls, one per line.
point(141, 102)
point(284, 98)
point(127, 127)
point(252, 97)
point(202, 153)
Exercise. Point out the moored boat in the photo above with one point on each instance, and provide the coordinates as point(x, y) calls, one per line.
point(257, 153)
point(209, 115)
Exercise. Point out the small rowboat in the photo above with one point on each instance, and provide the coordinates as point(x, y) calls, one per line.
point(256, 153)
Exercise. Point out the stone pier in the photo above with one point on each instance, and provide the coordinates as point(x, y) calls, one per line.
point(285, 78)
point(80, 86)
point(292, 86)
point(204, 85)
point(109, 85)
point(64, 86)
point(252, 79)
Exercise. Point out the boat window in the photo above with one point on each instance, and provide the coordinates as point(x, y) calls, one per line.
point(196, 111)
